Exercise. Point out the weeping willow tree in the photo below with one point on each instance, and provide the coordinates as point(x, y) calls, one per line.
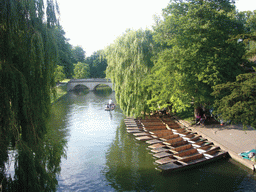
point(129, 62)
point(27, 62)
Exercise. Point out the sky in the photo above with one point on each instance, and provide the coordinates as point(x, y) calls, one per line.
point(95, 24)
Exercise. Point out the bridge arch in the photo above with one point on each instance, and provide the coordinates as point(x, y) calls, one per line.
point(90, 83)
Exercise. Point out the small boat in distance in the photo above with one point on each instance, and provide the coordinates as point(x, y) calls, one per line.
point(110, 107)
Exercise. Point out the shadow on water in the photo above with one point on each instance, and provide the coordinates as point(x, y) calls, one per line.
point(102, 156)
point(130, 167)
point(40, 164)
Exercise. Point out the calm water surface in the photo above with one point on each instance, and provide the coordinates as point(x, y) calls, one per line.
point(102, 156)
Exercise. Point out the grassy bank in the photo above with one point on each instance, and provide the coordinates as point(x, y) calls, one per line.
point(61, 90)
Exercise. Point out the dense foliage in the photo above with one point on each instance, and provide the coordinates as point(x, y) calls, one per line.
point(81, 71)
point(28, 59)
point(97, 64)
point(129, 62)
point(65, 54)
point(236, 101)
point(197, 45)
point(198, 53)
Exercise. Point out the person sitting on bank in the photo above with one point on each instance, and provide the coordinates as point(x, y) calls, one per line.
point(198, 118)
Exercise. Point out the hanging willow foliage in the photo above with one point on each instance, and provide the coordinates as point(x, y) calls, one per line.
point(28, 56)
point(129, 62)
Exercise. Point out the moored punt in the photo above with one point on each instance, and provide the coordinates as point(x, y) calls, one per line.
point(175, 147)
point(191, 162)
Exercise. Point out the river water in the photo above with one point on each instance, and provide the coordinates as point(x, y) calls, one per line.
point(102, 156)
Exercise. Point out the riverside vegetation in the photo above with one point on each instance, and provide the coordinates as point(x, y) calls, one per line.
point(198, 53)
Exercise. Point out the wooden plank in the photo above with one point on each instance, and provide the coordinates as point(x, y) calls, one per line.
point(141, 134)
point(174, 140)
point(179, 143)
point(160, 131)
point(165, 160)
point(170, 166)
point(153, 141)
point(193, 157)
point(186, 152)
point(213, 151)
point(166, 138)
point(157, 145)
point(162, 155)
point(182, 148)
point(144, 138)
point(180, 130)
point(134, 131)
point(159, 150)
point(131, 128)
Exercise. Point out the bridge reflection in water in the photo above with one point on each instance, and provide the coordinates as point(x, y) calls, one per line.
point(91, 84)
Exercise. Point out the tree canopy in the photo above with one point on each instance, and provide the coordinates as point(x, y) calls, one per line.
point(27, 63)
point(196, 50)
point(129, 61)
point(97, 64)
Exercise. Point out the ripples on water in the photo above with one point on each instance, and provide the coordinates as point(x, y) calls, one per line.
point(101, 156)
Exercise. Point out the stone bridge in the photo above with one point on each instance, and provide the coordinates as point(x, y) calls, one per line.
point(91, 84)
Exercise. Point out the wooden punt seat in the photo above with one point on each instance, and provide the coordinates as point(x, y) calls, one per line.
point(151, 121)
point(189, 135)
point(154, 128)
point(177, 144)
point(181, 148)
point(163, 126)
point(163, 154)
point(186, 153)
point(191, 158)
point(208, 149)
point(180, 130)
point(161, 131)
point(157, 145)
point(199, 143)
point(206, 146)
point(153, 125)
point(161, 135)
point(173, 126)
point(168, 137)
point(195, 138)
point(160, 149)
point(202, 143)
point(165, 160)
point(174, 140)
point(212, 151)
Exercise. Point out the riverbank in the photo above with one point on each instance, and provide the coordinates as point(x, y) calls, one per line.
point(232, 138)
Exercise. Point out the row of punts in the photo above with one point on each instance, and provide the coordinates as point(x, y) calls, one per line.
point(174, 146)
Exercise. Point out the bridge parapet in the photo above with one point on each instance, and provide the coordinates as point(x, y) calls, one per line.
point(90, 83)
point(90, 80)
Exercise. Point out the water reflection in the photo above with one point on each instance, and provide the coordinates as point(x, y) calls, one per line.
point(130, 167)
point(102, 156)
